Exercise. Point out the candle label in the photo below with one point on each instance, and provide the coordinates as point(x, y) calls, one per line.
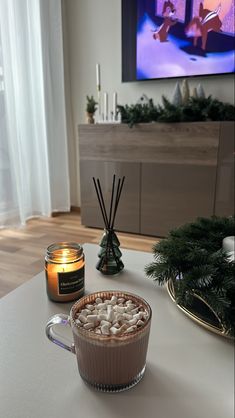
point(71, 282)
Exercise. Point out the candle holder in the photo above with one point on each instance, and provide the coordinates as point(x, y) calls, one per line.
point(104, 115)
point(112, 118)
point(109, 255)
point(64, 269)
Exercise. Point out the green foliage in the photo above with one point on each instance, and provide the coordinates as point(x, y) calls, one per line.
point(196, 109)
point(139, 113)
point(218, 111)
point(169, 112)
point(193, 258)
point(91, 105)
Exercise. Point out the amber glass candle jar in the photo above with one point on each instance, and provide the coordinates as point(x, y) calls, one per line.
point(64, 268)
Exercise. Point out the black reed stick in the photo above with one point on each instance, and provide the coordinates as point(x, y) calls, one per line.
point(102, 200)
point(100, 203)
point(115, 197)
point(120, 191)
point(111, 203)
point(118, 195)
point(115, 204)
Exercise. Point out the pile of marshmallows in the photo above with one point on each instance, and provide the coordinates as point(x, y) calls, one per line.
point(115, 316)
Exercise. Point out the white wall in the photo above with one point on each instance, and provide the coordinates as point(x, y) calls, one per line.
point(94, 36)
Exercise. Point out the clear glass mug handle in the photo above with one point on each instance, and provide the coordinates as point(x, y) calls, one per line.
point(61, 341)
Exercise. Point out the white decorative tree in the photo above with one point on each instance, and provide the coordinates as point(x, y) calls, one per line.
point(200, 91)
point(185, 91)
point(177, 96)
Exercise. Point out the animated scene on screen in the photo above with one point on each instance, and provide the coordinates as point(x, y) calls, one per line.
point(184, 38)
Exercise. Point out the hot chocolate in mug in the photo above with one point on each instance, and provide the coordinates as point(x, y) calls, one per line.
point(113, 358)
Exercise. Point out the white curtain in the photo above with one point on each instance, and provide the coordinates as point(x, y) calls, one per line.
point(34, 175)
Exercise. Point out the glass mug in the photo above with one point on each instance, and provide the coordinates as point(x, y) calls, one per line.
point(109, 363)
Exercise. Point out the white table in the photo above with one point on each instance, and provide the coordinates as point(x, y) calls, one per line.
point(189, 370)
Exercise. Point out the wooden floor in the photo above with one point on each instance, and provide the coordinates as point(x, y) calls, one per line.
point(22, 250)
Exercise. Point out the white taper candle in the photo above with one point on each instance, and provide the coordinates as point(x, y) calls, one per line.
point(114, 105)
point(106, 107)
point(98, 84)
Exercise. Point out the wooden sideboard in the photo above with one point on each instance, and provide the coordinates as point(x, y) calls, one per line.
point(174, 173)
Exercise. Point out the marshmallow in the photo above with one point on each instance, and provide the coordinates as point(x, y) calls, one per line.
point(129, 307)
point(86, 312)
point(115, 316)
point(119, 309)
point(123, 327)
point(131, 329)
point(132, 321)
point(82, 318)
point(140, 323)
point(134, 311)
point(102, 311)
point(106, 323)
point(138, 316)
point(105, 329)
point(88, 325)
point(102, 316)
point(110, 316)
point(119, 317)
point(127, 316)
point(114, 330)
point(92, 318)
point(101, 306)
point(90, 307)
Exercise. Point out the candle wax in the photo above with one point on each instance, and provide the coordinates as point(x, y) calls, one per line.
point(52, 271)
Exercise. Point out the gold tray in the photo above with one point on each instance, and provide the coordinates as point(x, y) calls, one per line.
point(220, 330)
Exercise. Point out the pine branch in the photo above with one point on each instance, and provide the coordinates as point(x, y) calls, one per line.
point(196, 109)
point(192, 256)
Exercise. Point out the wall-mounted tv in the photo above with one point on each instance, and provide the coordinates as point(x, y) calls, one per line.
point(177, 38)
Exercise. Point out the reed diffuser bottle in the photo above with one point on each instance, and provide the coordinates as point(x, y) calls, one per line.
point(109, 262)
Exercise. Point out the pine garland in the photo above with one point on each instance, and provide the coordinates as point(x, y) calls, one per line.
point(196, 109)
point(193, 258)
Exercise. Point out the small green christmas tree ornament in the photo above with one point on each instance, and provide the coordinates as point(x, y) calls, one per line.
point(109, 255)
point(109, 262)
point(177, 96)
point(185, 91)
point(200, 92)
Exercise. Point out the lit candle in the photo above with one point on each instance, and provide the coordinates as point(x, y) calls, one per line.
point(98, 84)
point(106, 107)
point(64, 268)
point(114, 105)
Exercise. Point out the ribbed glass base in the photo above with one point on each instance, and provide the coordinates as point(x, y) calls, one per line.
point(116, 388)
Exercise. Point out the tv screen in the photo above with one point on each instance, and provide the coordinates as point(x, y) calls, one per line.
point(168, 39)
